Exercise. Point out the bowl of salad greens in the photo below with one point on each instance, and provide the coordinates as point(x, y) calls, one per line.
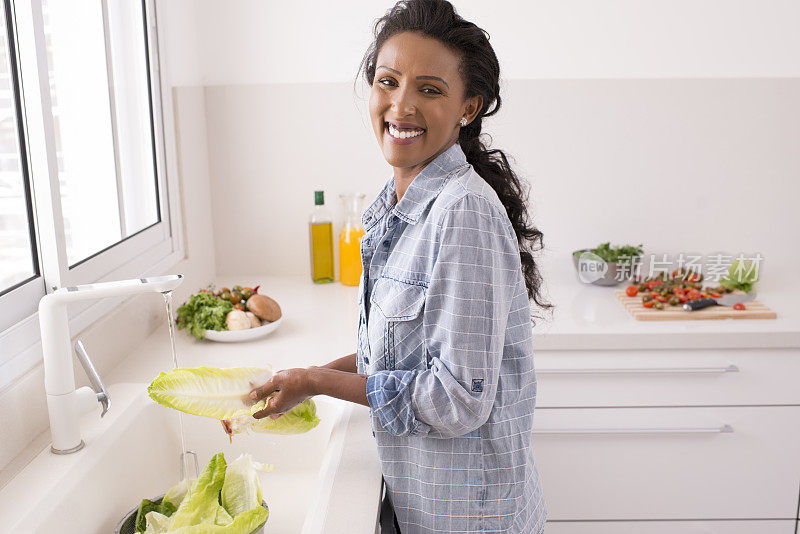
point(606, 265)
point(224, 498)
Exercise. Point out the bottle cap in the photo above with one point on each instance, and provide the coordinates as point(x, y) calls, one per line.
point(319, 198)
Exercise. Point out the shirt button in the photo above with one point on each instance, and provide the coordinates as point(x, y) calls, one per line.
point(385, 244)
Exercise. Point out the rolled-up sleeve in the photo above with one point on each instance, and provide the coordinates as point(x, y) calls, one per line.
point(474, 277)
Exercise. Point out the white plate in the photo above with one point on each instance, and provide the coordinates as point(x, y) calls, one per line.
point(230, 336)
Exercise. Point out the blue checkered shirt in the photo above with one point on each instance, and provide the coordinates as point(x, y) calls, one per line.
point(445, 337)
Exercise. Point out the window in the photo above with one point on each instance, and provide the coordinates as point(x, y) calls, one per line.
point(18, 256)
point(83, 189)
point(108, 192)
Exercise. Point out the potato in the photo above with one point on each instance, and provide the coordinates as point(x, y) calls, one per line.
point(254, 321)
point(264, 307)
point(237, 320)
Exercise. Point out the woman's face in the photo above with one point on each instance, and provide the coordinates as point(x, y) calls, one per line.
point(418, 89)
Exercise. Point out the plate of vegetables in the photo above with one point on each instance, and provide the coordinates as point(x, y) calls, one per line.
point(233, 314)
point(681, 286)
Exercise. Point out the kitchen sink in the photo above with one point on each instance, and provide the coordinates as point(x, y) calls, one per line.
point(133, 453)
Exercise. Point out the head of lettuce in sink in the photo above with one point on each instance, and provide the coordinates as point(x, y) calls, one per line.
point(224, 394)
point(223, 499)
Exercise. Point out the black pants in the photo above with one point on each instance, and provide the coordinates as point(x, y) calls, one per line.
point(388, 518)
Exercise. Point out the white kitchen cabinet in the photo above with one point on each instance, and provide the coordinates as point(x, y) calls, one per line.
point(669, 463)
point(672, 527)
point(700, 377)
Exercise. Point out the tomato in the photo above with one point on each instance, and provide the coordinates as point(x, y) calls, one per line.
point(738, 306)
point(648, 304)
point(715, 295)
point(660, 298)
point(632, 291)
point(683, 299)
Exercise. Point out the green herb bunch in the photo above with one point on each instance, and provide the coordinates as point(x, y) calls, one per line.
point(203, 312)
point(623, 254)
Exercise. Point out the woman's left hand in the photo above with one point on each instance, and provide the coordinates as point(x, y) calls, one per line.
point(290, 388)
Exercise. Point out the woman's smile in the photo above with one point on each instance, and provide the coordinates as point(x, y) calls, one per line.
point(402, 134)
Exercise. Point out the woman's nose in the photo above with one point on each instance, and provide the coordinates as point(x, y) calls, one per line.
point(404, 101)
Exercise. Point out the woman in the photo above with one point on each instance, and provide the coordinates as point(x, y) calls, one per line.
point(444, 355)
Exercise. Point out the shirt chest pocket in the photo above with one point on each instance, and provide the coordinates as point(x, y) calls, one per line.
point(394, 329)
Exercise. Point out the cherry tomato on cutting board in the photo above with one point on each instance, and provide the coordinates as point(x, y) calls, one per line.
point(632, 291)
point(648, 304)
point(738, 306)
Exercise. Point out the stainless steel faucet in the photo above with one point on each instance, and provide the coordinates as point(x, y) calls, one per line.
point(65, 404)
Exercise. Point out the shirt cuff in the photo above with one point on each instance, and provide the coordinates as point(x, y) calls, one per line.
point(389, 396)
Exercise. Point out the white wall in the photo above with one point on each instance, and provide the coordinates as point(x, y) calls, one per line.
point(257, 42)
point(695, 166)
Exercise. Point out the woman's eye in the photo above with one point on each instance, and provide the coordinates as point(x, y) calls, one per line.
point(426, 90)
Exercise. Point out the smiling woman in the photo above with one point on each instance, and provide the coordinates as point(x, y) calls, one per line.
point(445, 339)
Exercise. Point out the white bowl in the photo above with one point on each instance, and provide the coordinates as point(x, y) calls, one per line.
point(231, 336)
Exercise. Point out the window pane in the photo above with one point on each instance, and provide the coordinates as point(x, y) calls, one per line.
point(17, 253)
point(102, 118)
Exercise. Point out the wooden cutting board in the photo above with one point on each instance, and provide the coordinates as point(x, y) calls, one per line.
point(753, 310)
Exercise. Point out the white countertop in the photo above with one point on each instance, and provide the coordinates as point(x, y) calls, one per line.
point(589, 317)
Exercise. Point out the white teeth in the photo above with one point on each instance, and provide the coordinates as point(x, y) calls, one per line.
point(394, 132)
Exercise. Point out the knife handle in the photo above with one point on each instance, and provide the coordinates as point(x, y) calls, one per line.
point(698, 304)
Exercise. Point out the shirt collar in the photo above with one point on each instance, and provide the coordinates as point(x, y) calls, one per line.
point(423, 189)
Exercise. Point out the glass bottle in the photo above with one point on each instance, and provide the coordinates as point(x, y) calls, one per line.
point(350, 239)
point(320, 233)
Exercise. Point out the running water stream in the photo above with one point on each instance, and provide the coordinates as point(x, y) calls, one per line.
point(185, 452)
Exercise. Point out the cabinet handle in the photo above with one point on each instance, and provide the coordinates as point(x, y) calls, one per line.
point(724, 429)
point(624, 370)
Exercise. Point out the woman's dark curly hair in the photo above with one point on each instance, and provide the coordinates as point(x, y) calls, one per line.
point(480, 71)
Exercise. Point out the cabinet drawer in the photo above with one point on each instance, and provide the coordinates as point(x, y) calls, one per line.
point(708, 377)
point(671, 527)
point(669, 463)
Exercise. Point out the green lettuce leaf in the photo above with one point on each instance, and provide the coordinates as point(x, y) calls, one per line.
point(223, 518)
point(174, 496)
point(245, 523)
point(298, 420)
point(202, 501)
point(242, 488)
point(156, 523)
point(742, 275)
point(145, 507)
point(210, 391)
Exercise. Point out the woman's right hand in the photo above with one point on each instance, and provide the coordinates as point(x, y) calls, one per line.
point(286, 389)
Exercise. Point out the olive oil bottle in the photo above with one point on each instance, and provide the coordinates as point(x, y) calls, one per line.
point(320, 234)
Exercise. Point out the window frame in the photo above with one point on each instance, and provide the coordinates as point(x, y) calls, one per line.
point(150, 251)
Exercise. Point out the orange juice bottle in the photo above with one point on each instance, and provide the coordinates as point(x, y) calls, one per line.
point(350, 240)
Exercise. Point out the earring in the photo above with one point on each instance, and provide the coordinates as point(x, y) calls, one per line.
point(463, 122)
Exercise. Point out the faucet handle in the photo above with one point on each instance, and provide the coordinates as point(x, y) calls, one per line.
point(94, 378)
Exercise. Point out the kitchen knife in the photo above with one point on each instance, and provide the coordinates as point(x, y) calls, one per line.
point(727, 300)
